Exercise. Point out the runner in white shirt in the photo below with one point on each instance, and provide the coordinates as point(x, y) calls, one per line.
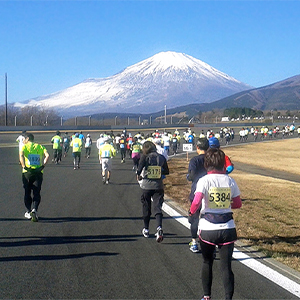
point(160, 149)
point(88, 146)
point(100, 141)
point(20, 139)
point(242, 135)
point(166, 142)
point(217, 194)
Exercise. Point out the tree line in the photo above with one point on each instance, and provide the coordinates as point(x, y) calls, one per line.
point(41, 116)
point(238, 112)
point(29, 115)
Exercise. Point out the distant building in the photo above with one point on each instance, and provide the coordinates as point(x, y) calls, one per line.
point(225, 119)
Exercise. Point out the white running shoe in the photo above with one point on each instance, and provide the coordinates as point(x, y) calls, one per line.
point(34, 217)
point(145, 232)
point(27, 215)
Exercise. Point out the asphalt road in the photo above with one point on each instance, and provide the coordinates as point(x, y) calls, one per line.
point(88, 242)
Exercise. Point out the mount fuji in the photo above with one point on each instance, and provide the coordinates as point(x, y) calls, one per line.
point(167, 78)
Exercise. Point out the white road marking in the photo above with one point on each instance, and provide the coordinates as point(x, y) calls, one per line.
point(252, 263)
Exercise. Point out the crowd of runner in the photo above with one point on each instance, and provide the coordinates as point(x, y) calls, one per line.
point(213, 193)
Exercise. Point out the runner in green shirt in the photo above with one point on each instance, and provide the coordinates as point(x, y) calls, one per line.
point(33, 158)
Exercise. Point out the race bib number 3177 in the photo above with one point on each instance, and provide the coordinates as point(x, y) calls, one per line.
point(219, 198)
point(154, 172)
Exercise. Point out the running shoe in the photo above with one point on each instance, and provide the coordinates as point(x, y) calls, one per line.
point(206, 298)
point(34, 217)
point(27, 215)
point(159, 235)
point(145, 232)
point(103, 179)
point(194, 247)
point(106, 182)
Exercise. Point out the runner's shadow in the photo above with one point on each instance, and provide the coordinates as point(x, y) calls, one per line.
point(63, 240)
point(83, 219)
point(79, 219)
point(55, 257)
point(124, 183)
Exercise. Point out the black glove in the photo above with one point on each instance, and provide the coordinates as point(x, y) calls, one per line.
point(191, 217)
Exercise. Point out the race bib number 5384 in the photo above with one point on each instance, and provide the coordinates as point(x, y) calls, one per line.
point(219, 198)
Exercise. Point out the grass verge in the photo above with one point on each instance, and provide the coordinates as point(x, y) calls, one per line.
point(269, 219)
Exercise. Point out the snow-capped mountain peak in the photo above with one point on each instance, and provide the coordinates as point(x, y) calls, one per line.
point(162, 61)
point(173, 61)
point(167, 78)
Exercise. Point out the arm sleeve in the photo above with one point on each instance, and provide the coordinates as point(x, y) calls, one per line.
point(141, 165)
point(113, 151)
point(228, 165)
point(229, 169)
point(165, 168)
point(236, 202)
point(191, 171)
point(196, 202)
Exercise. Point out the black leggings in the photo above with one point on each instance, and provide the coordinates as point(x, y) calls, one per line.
point(194, 221)
point(32, 183)
point(225, 252)
point(123, 153)
point(158, 199)
point(76, 158)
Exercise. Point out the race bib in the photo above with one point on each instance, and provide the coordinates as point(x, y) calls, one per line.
point(34, 160)
point(219, 198)
point(154, 172)
point(106, 153)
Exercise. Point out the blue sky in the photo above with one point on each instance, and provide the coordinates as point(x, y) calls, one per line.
point(47, 46)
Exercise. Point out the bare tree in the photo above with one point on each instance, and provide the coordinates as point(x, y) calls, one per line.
point(29, 115)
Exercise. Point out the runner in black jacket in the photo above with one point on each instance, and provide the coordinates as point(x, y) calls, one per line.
point(195, 171)
point(152, 166)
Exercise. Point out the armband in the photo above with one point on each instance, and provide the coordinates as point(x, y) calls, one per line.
point(229, 169)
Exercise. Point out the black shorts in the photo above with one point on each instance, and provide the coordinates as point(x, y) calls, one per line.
point(76, 154)
point(218, 237)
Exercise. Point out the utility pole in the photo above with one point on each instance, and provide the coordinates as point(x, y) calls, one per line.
point(5, 99)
